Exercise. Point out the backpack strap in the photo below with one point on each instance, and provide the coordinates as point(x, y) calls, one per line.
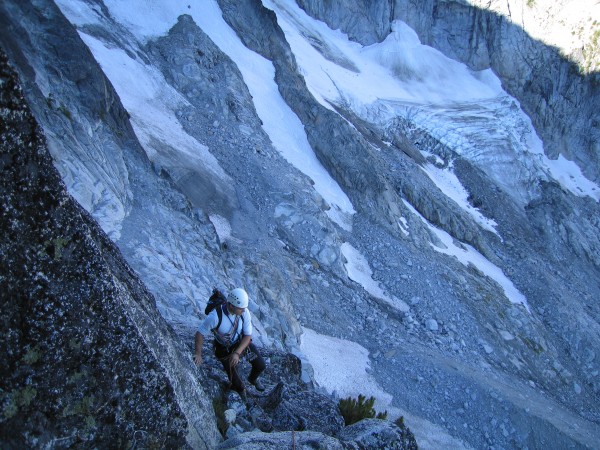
point(219, 309)
point(220, 312)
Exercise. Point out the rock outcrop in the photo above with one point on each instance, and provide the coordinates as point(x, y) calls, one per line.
point(561, 101)
point(87, 361)
point(364, 21)
point(290, 412)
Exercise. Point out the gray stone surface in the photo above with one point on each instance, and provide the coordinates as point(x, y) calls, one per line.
point(86, 358)
point(258, 440)
point(365, 21)
point(374, 433)
point(559, 99)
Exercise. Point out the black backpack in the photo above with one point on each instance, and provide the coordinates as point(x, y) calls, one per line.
point(217, 301)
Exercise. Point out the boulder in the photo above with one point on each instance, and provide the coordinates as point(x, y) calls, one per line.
point(378, 434)
point(306, 440)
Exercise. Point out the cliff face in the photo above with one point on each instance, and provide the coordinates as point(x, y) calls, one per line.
point(86, 358)
point(364, 21)
point(560, 96)
point(100, 159)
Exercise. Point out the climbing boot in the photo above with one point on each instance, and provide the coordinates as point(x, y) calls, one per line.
point(257, 384)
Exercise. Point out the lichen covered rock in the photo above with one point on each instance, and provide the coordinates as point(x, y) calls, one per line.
point(76, 366)
point(375, 433)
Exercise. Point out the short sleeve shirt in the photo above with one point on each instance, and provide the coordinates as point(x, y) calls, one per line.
point(244, 327)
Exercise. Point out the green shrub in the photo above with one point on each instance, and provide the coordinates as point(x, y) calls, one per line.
point(355, 410)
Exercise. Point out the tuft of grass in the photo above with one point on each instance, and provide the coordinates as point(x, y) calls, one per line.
point(55, 247)
point(354, 410)
point(410, 441)
point(537, 348)
point(20, 398)
point(33, 355)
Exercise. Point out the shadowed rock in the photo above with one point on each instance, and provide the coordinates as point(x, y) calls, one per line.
point(80, 333)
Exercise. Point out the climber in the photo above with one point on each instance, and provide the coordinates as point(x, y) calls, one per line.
point(231, 324)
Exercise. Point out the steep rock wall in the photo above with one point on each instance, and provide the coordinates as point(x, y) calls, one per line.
point(79, 113)
point(100, 159)
point(561, 102)
point(86, 358)
point(365, 21)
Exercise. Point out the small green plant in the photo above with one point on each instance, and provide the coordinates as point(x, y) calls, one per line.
point(52, 104)
point(533, 345)
point(530, 3)
point(33, 355)
point(50, 101)
point(354, 410)
point(19, 398)
point(410, 441)
point(55, 247)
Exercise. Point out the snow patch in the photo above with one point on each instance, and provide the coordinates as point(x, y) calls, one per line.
point(341, 366)
point(403, 225)
point(466, 254)
point(569, 175)
point(152, 104)
point(449, 184)
point(358, 270)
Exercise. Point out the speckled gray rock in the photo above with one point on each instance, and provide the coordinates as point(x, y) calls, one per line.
point(371, 434)
point(305, 440)
point(80, 333)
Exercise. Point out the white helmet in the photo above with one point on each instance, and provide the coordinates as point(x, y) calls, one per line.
point(238, 298)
